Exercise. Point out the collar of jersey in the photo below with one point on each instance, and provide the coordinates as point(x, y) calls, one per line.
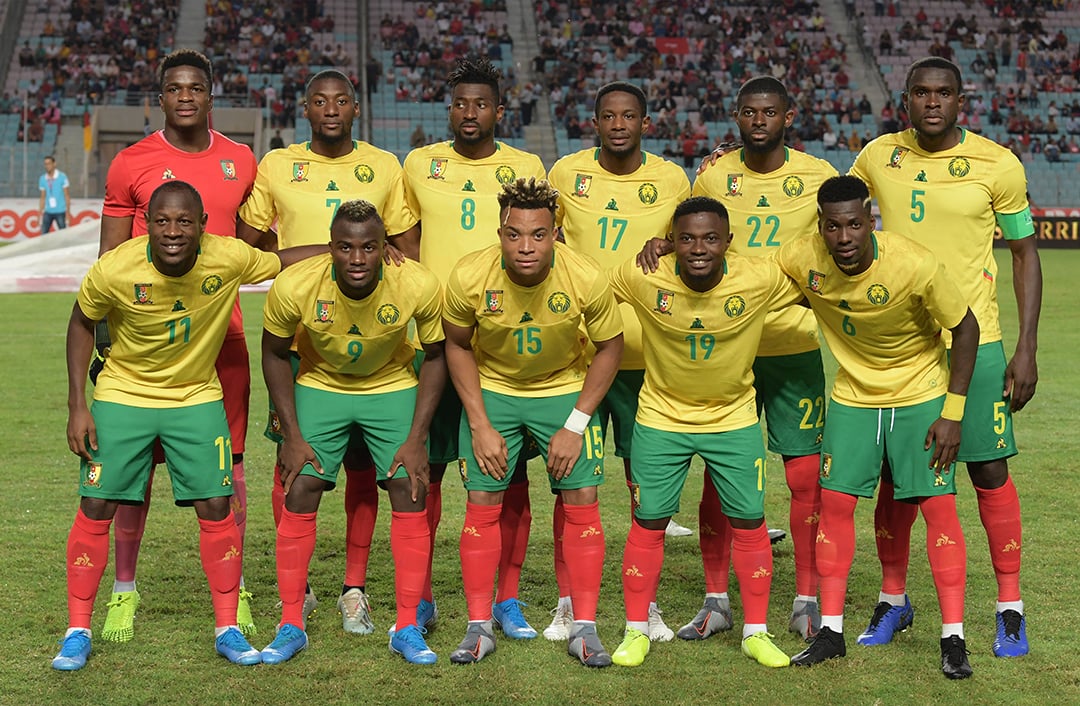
point(787, 154)
point(498, 146)
point(596, 156)
point(307, 147)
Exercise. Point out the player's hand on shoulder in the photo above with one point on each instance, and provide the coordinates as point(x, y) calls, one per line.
point(654, 249)
point(392, 255)
point(293, 456)
point(82, 432)
point(563, 452)
point(717, 152)
point(489, 448)
point(944, 437)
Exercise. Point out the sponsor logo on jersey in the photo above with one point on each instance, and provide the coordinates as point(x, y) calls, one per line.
point(505, 174)
point(332, 186)
point(793, 186)
point(364, 174)
point(300, 171)
point(815, 281)
point(225, 481)
point(211, 284)
point(844, 305)
point(525, 318)
point(559, 303)
point(144, 294)
point(167, 174)
point(354, 330)
point(877, 294)
point(387, 314)
point(697, 323)
point(582, 182)
point(437, 169)
point(93, 474)
point(324, 311)
point(647, 193)
point(826, 465)
point(611, 206)
point(469, 186)
point(493, 300)
point(228, 169)
point(664, 299)
point(734, 184)
point(897, 157)
point(734, 306)
point(959, 167)
point(178, 305)
point(921, 176)
point(763, 202)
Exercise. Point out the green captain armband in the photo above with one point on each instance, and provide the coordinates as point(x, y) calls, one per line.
point(1015, 226)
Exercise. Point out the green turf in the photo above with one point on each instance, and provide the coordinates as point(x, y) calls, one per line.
point(171, 659)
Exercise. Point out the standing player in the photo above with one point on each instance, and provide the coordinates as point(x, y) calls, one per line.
point(525, 301)
point(223, 172)
point(769, 191)
point(302, 186)
point(355, 372)
point(54, 206)
point(702, 314)
point(451, 186)
point(882, 301)
point(949, 189)
point(168, 305)
point(612, 200)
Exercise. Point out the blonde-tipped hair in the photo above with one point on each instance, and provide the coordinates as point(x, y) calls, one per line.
point(531, 193)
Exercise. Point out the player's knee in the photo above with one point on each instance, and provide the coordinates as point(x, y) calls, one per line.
point(989, 475)
point(743, 524)
point(213, 509)
point(98, 508)
point(237, 459)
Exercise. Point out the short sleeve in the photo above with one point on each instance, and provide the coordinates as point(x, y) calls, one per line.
point(601, 312)
point(457, 308)
point(281, 315)
point(92, 297)
point(429, 313)
point(119, 200)
point(258, 209)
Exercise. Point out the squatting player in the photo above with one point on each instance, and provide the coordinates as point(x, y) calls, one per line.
point(523, 303)
point(882, 301)
point(223, 172)
point(702, 313)
point(612, 200)
point(168, 304)
point(356, 373)
point(302, 186)
point(948, 188)
point(451, 186)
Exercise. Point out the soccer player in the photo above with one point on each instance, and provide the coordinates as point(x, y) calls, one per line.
point(702, 314)
point(950, 189)
point(882, 301)
point(223, 172)
point(768, 190)
point(168, 304)
point(356, 372)
point(451, 186)
point(612, 200)
point(525, 300)
point(302, 186)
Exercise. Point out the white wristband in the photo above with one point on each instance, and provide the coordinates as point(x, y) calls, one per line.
point(577, 422)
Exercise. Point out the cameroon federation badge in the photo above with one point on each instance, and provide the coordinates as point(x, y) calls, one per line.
point(144, 294)
point(826, 465)
point(582, 182)
point(959, 167)
point(387, 314)
point(324, 311)
point(505, 174)
point(493, 300)
point(93, 474)
point(437, 170)
point(734, 306)
point(364, 174)
point(815, 281)
point(734, 184)
point(877, 294)
point(559, 303)
point(647, 193)
point(664, 300)
point(793, 186)
point(300, 171)
point(228, 169)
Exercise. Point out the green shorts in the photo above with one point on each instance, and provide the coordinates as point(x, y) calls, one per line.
point(791, 389)
point(198, 451)
point(518, 418)
point(735, 461)
point(620, 404)
point(987, 434)
point(327, 420)
point(858, 440)
point(443, 434)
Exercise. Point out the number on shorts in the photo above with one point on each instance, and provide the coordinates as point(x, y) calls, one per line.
point(808, 406)
point(759, 464)
point(594, 442)
point(224, 447)
point(999, 418)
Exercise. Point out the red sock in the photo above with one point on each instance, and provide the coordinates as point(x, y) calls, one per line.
point(434, 515)
point(129, 523)
point(947, 553)
point(277, 495)
point(222, 560)
point(835, 549)
point(714, 538)
point(802, 479)
point(295, 545)
point(361, 509)
point(583, 550)
point(514, 525)
point(481, 545)
point(558, 524)
point(87, 556)
point(999, 510)
point(751, 555)
point(643, 559)
point(892, 528)
point(410, 542)
point(238, 504)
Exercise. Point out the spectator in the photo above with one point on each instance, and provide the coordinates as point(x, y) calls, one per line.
point(276, 142)
point(1052, 151)
point(418, 137)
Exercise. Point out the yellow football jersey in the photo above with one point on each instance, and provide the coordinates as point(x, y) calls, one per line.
point(883, 326)
point(167, 331)
point(354, 346)
point(700, 346)
point(456, 199)
point(303, 191)
point(766, 211)
point(950, 202)
point(528, 340)
point(609, 217)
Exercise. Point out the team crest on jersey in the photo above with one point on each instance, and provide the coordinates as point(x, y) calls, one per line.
point(877, 294)
point(300, 171)
point(793, 186)
point(505, 174)
point(167, 174)
point(144, 294)
point(959, 167)
point(437, 169)
point(734, 306)
point(493, 300)
point(664, 300)
point(228, 169)
point(734, 184)
point(559, 303)
point(388, 314)
point(93, 475)
point(211, 283)
point(815, 281)
point(324, 311)
point(897, 157)
point(647, 193)
point(582, 182)
point(364, 174)
point(826, 465)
